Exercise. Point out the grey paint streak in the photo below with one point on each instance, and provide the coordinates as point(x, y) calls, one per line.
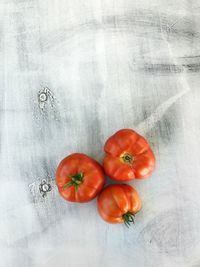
point(170, 68)
point(171, 233)
point(71, 74)
point(140, 23)
point(159, 66)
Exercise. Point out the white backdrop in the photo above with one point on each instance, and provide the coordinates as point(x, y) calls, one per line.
point(71, 74)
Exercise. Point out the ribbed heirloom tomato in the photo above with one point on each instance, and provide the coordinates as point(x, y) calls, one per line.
point(119, 204)
point(128, 156)
point(79, 178)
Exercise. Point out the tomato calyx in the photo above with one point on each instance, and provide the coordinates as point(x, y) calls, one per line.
point(128, 218)
point(127, 158)
point(76, 180)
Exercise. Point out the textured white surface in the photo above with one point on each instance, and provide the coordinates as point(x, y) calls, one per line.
point(103, 65)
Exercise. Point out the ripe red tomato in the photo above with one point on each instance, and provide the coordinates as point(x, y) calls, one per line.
point(128, 156)
point(79, 178)
point(119, 204)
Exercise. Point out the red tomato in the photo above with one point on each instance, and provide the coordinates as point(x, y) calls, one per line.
point(119, 204)
point(128, 156)
point(79, 178)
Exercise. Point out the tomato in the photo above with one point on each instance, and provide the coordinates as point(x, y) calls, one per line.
point(128, 156)
point(79, 178)
point(119, 204)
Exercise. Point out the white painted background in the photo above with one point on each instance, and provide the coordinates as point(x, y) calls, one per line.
point(107, 65)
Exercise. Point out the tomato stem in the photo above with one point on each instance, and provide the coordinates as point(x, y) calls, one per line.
point(127, 158)
point(128, 218)
point(76, 180)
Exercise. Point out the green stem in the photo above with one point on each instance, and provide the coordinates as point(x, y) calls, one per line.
point(127, 158)
point(76, 180)
point(128, 218)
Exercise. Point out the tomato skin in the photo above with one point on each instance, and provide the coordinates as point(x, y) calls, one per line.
point(140, 158)
point(117, 200)
point(93, 178)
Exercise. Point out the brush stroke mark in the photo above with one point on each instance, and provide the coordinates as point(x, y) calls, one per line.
point(165, 69)
point(161, 66)
point(192, 67)
point(37, 168)
point(35, 214)
point(166, 126)
point(146, 125)
point(170, 231)
point(93, 88)
point(191, 57)
point(138, 22)
point(20, 215)
point(149, 123)
point(25, 33)
point(21, 41)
